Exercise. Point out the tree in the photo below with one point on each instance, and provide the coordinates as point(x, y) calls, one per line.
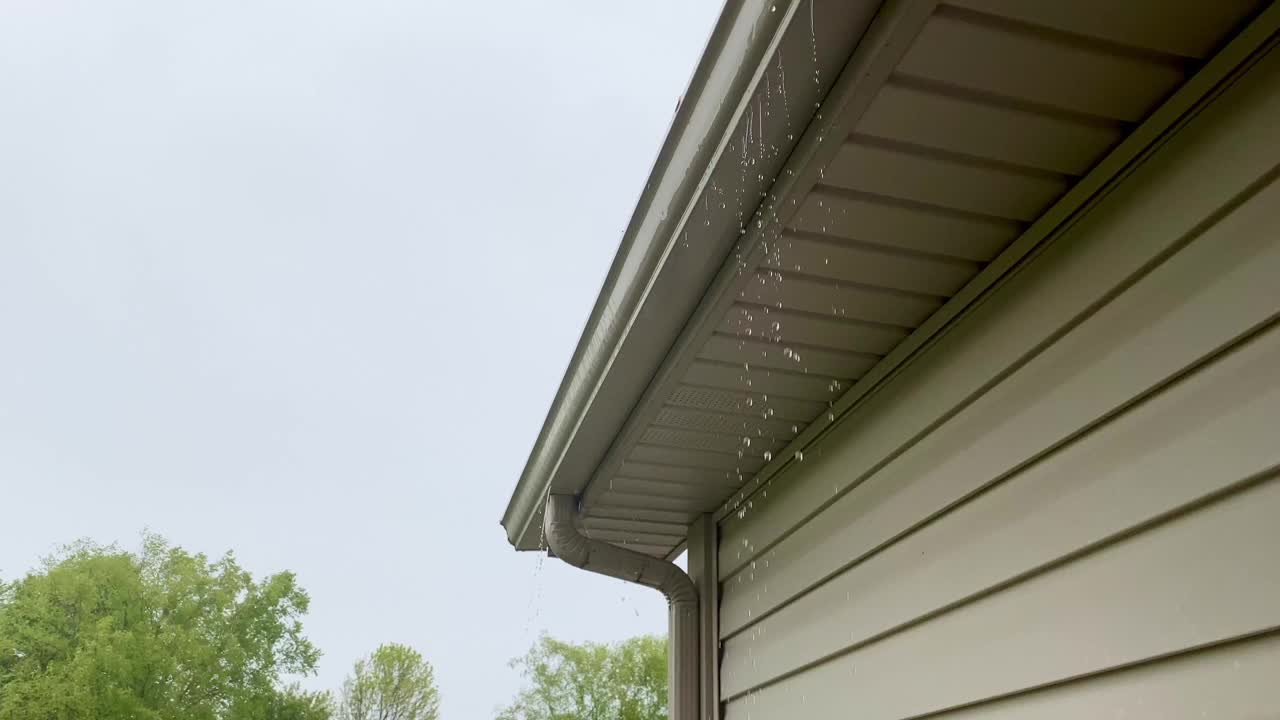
point(293, 703)
point(288, 703)
point(393, 683)
point(592, 681)
point(160, 634)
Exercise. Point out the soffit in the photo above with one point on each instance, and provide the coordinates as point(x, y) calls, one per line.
point(989, 112)
point(767, 67)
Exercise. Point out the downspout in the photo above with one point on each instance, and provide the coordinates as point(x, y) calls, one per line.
point(566, 542)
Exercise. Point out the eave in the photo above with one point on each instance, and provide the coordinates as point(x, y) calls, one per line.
point(849, 226)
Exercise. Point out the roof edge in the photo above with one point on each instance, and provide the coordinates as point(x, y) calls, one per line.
point(741, 41)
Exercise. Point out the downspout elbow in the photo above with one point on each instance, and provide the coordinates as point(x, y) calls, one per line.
point(567, 542)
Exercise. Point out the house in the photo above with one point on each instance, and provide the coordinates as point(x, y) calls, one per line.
point(944, 339)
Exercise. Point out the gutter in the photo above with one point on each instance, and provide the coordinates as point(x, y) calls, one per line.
point(566, 542)
point(659, 274)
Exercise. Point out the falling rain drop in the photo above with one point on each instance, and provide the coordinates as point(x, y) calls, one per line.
point(799, 456)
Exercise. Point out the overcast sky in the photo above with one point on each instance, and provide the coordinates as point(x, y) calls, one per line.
point(300, 279)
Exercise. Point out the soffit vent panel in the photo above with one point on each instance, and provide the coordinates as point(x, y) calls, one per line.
point(995, 111)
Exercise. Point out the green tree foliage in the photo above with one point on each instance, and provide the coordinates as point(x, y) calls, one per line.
point(592, 681)
point(293, 703)
point(160, 634)
point(393, 683)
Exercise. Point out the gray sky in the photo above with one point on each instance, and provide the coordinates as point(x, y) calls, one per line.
point(300, 279)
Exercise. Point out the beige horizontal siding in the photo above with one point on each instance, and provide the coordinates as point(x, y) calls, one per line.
point(1167, 320)
point(1065, 507)
point(1234, 680)
point(1203, 578)
point(1165, 200)
point(1200, 436)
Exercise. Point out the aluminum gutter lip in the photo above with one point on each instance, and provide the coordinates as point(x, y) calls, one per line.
point(602, 384)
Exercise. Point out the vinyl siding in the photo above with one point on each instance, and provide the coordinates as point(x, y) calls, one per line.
point(1065, 506)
